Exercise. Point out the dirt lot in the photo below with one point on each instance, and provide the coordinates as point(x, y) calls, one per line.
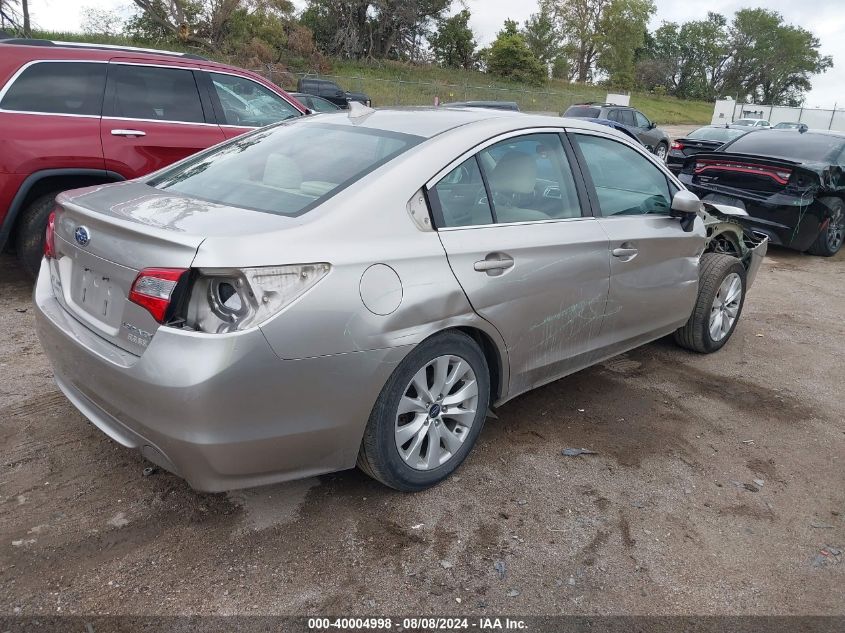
point(665, 519)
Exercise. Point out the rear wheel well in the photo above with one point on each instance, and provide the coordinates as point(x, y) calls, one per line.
point(57, 184)
point(491, 354)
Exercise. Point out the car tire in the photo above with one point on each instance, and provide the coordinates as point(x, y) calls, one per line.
point(829, 241)
point(396, 448)
point(661, 151)
point(718, 307)
point(30, 230)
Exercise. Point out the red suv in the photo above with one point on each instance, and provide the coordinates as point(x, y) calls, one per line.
point(74, 115)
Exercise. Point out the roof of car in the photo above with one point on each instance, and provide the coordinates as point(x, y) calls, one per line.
point(431, 121)
point(105, 47)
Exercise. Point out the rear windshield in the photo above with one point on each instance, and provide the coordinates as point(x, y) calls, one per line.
point(722, 134)
point(790, 145)
point(584, 112)
point(287, 169)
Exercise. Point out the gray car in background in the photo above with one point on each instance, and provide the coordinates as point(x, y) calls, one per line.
point(361, 288)
point(638, 124)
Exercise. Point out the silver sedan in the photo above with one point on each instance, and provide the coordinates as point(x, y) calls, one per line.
point(361, 288)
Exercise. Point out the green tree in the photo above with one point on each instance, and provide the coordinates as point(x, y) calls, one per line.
point(510, 57)
point(542, 36)
point(453, 44)
point(622, 31)
point(772, 61)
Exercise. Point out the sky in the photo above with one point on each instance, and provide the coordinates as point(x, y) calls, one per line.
point(824, 18)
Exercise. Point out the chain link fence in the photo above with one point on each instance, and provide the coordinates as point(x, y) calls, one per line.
point(401, 92)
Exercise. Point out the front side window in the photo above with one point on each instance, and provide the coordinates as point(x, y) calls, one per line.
point(626, 182)
point(58, 88)
point(247, 103)
point(285, 170)
point(154, 94)
point(642, 121)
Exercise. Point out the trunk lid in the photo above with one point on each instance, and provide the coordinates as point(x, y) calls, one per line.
point(755, 174)
point(692, 146)
point(104, 236)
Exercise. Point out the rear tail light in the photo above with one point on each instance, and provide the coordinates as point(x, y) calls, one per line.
point(153, 288)
point(50, 237)
point(777, 174)
point(229, 300)
point(677, 145)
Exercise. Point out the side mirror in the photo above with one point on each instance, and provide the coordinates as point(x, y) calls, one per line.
point(652, 125)
point(686, 206)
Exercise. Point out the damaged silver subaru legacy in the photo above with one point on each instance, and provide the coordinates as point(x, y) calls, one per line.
point(361, 288)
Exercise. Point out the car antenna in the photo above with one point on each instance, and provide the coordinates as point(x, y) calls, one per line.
point(358, 112)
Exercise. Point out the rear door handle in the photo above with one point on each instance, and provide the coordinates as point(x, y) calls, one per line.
point(494, 264)
point(128, 133)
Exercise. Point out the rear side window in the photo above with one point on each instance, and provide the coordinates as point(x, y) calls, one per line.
point(585, 112)
point(249, 104)
point(154, 94)
point(58, 88)
point(626, 117)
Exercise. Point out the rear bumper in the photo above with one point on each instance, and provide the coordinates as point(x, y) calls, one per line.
point(221, 411)
point(786, 220)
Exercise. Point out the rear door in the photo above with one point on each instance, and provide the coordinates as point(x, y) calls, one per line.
point(242, 104)
point(154, 116)
point(530, 260)
point(654, 262)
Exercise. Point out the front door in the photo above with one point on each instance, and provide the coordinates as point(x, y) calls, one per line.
point(530, 261)
point(152, 117)
point(654, 262)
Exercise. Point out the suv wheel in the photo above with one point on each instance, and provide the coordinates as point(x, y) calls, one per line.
point(428, 415)
point(721, 295)
point(661, 151)
point(29, 232)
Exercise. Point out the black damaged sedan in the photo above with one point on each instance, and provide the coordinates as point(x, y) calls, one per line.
point(790, 182)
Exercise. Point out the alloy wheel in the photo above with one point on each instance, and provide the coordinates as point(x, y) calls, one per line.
point(661, 152)
point(835, 231)
point(725, 307)
point(436, 412)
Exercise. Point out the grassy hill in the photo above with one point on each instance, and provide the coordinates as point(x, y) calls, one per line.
point(396, 83)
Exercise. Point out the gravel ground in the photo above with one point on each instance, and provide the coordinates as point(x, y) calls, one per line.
point(718, 483)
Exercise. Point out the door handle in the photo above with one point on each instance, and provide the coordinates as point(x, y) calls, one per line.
point(128, 133)
point(626, 252)
point(494, 264)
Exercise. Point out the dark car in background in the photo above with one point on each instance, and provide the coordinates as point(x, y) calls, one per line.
point(314, 103)
point(647, 132)
point(704, 139)
point(330, 91)
point(789, 182)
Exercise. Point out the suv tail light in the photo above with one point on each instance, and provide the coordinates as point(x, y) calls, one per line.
point(50, 237)
point(229, 300)
point(677, 145)
point(153, 288)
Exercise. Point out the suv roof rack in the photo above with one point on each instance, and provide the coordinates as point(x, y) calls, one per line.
point(111, 47)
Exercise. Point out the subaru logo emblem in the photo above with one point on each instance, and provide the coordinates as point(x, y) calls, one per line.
point(82, 236)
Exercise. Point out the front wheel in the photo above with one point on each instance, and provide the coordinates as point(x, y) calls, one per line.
point(428, 415)
point(721, 296)
point(661, 151)
point(829, 241)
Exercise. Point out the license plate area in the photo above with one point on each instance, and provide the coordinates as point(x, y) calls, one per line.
point(96, 294)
